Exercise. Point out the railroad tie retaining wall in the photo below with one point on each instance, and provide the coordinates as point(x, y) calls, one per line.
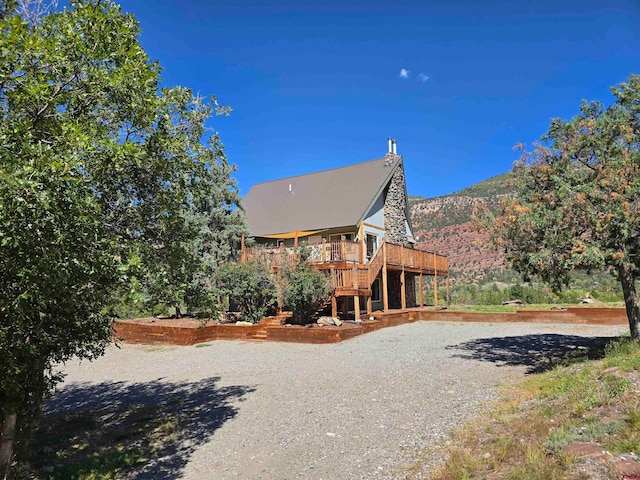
point(189, 332)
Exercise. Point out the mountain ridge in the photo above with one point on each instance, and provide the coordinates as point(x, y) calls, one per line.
point(444, 224)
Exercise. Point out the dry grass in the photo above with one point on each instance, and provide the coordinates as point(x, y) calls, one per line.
point(524, 435)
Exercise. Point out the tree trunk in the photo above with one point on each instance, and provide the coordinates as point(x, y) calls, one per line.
point(178, 313)
point(628, 281)
point(7, 435)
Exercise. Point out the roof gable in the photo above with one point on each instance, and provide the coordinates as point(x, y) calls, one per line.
point(338, 197)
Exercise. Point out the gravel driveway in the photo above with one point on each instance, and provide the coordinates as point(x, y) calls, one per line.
point(362, 408)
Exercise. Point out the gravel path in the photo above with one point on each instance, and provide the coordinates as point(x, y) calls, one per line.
point(362, 408)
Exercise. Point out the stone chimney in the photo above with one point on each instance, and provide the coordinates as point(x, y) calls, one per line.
point(395, 200)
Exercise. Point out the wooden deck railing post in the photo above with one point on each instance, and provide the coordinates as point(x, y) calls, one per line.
point(362, 244)
point(385, 293)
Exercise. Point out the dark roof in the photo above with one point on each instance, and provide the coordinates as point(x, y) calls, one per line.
point(331, 198)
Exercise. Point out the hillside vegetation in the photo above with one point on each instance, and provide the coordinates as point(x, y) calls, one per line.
point(445, 225)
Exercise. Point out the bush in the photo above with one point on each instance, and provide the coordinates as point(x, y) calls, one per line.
point(248, 285)
point(607, 296)
point(301, 288)
point(305, 292)
point(571, 296)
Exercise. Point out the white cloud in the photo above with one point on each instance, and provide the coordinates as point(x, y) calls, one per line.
point(404, 73)
point(423, 77)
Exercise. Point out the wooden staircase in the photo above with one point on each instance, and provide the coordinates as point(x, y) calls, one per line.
point(325, 304)
point(375, 263)
point(262, 333)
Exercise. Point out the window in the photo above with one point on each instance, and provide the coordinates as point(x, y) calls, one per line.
point(341, 236)
point(372, 245)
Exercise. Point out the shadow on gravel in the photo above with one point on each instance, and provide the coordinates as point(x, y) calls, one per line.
point(539, 352)
point(136, 431)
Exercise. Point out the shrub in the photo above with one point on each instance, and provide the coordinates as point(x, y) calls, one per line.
point(306, 290)
point(301, 288)
point(248, 285)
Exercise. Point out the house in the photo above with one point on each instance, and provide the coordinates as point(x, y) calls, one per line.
point(356, 222)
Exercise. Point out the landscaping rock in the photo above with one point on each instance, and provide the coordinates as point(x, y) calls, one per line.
point(513, 303)
point(588, 300)
point(627, 469)
point(329, 321)
point(587, 450)
point(596, 462)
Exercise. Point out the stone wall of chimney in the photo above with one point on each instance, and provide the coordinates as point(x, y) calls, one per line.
point(395, 204)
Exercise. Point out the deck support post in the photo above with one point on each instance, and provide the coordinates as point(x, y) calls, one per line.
point(420, 293)
point(446, 282)
point(356, 307)
point(403, 293)
point(344, 307)
point(435, 281)
point(369, 306)
point(334, 306)
point(356, 297)
point(385, 293)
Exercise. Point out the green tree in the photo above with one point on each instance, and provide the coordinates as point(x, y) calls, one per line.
point(205, 233)
point(100, 172)
point(577, 206)
point(249, 285)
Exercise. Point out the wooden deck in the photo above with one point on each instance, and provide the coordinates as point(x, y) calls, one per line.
point(346, 261)
point(353, 271)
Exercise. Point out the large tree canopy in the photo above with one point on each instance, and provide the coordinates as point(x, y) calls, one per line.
point(578, 199)
point(103, 175)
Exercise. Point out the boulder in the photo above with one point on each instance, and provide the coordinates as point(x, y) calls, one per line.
point(513, 303)
point(588, 300)
point(328, 321)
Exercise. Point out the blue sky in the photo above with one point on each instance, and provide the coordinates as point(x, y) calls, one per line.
point(322, 84)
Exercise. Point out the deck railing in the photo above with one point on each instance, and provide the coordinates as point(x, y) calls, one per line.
point(345, 277)
point(325, 252)
point(376, 263)
point(274, 256)
point(419, 259)
point(340, 251)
